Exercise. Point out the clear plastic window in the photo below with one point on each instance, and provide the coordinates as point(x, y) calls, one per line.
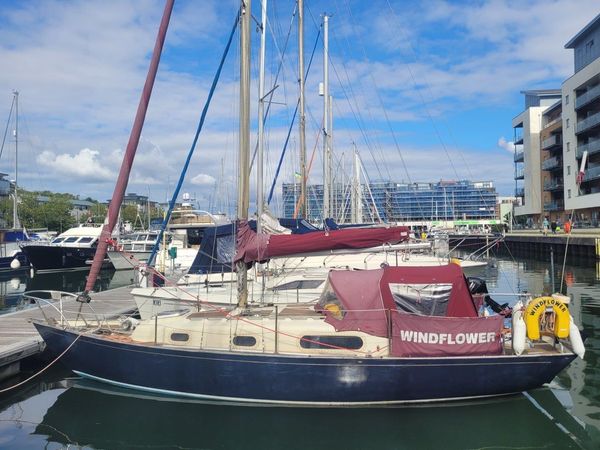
point(425, 299)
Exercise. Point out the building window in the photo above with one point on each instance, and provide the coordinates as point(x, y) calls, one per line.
point(568, 193)
point(567, 123)
point(568, 170)
point(567, 99)
point(588, 47)
point(568, 146)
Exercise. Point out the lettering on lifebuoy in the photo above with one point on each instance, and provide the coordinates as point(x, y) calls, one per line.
point(534, 310)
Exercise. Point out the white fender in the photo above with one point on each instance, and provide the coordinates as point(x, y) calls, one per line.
point(519, 329)
point(15, 264)
point(576, 341)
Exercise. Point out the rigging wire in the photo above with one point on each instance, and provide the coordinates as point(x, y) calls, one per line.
point(291, 124)
point(12, 105)
point(278, 72)
point(193, 147)
point(424, 81)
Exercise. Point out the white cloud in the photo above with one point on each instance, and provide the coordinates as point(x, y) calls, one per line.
point(203, 179)
point(85, 165)
point(509, 146)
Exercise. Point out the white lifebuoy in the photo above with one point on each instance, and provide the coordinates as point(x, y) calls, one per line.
point(15, 264)
point(576, 340)
point(519, 329)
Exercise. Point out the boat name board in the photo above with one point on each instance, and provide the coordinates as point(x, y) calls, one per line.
point(446, 336)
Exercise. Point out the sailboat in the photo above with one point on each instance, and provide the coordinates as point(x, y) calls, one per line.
point(375, 337)
point(12, 259)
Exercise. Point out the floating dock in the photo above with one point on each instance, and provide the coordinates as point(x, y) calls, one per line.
point(19, 338)
point(581, 244)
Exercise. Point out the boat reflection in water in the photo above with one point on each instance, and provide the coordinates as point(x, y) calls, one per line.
point(95, 415)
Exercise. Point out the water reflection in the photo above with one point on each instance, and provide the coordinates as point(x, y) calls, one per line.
point(84, 413)
point(13, 286)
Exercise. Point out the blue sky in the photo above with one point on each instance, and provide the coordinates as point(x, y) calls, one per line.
point(434, 84)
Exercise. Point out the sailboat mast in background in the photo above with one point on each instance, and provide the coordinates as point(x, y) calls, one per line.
point(302, 121)
point(16, 223)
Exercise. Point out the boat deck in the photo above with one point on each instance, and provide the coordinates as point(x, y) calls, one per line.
point(19, 338)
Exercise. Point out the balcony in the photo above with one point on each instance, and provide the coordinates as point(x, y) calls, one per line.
point(554, 206)
point(520, 192)
point(552, 142)
point(519, 174)
point(553, 185)
point(593, 146)
point(552, 163)
point(592, 173)
point(587, 97)
point(518, 140)
point(519, 156)
point(591, 121)
point(552, 122)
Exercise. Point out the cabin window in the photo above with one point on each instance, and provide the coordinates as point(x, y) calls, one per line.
point(85, 240)
point(298, 284)
point(180, 337)
point(331, 342)
point(58, 240)
point(429, 299)
point(71, 239)
point(244, 341)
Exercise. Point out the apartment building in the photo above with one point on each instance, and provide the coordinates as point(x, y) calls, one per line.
point(581, 126)
point(527, 128)
point(551, 144)
point(551, 136)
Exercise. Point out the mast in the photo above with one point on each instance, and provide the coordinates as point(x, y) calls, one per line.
point(134, 138)
point(326, 169)
point(302, 121)
point(260, 201)
point(16, 223)
point(148, 207)
point(333, 204)
point(356, 194)
point(244, 142)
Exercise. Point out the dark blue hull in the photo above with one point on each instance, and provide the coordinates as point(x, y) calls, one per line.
point(298, 379)
point(47, 257)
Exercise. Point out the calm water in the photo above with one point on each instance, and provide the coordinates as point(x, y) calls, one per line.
point(58, 410)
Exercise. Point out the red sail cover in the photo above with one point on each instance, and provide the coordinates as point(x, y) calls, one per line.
point(251, 247)
point(429, 309)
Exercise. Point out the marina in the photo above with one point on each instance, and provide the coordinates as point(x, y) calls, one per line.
point(581, 245)
point(355, 297)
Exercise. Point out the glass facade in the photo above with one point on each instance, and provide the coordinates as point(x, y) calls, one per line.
point(400, 202)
